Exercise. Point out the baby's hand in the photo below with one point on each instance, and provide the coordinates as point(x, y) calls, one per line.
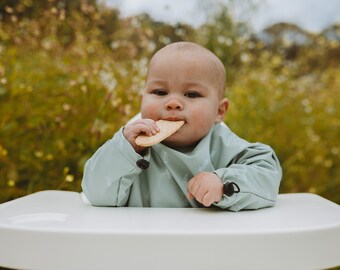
point(134, 129)
point(206, 188)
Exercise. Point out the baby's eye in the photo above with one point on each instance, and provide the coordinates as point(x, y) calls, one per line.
point(192, 94)
point(159, 92)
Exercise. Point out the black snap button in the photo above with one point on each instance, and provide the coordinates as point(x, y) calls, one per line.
point(229, 189)
point(143, 164)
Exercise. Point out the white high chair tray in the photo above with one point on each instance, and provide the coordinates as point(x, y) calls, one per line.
point(58, 230)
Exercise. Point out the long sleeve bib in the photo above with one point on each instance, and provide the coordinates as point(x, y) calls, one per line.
point(112, 178)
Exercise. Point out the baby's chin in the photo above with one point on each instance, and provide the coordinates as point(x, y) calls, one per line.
point(179, 144)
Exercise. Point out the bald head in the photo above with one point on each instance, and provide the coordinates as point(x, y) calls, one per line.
point(202, 56)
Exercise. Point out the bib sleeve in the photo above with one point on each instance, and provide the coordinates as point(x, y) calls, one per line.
point(257, 173)
point(111, 171)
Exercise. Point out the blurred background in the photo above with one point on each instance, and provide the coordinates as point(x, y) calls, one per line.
point(71, 73)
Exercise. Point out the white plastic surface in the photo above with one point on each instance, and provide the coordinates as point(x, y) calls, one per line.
point(57, 230)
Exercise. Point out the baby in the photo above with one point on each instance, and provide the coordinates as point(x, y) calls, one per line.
point(202, 164)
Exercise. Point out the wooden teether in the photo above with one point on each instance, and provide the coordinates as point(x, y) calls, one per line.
point(167, 128)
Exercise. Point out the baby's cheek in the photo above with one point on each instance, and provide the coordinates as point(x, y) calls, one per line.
point(149, 111)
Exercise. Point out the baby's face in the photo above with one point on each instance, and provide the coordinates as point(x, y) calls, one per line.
point(180, 87)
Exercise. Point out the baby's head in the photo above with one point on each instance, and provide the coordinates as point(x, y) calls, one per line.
point(185, 81)
point(210, 64)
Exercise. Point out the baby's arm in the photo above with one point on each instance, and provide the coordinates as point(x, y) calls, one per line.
point(257, 173)
point(111, 171)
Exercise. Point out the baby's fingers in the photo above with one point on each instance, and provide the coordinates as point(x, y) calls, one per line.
point(190, 196)
point(148, 126)
point(208, 199)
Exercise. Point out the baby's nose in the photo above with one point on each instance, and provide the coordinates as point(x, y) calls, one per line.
point(174, 104)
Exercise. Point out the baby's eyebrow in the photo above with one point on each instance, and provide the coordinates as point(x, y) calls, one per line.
point(157, 81)
point(196, 84)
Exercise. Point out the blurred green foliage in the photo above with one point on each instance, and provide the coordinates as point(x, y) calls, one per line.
point(71, 73)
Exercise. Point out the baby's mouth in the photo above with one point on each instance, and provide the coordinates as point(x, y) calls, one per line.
point(174, 119)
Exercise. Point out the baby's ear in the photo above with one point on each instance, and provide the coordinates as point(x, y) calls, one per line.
point(222, 110)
